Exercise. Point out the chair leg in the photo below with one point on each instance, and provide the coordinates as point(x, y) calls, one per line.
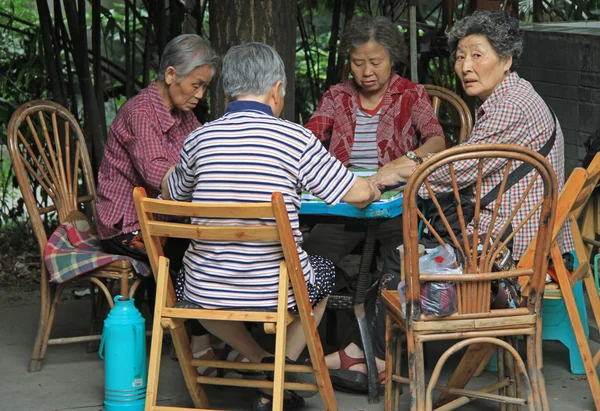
point(582, 343)
point(420, 377)
point(154, 364)
point(390, 351)
point(511, 390)
point(39, 348)
point(393, 362)
point(501, 376)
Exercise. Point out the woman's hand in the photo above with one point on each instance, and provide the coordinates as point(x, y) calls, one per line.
point(391, 176)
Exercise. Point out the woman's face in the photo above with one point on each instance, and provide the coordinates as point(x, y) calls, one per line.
point(371, 68)
point(478, 66)
point(186, 94)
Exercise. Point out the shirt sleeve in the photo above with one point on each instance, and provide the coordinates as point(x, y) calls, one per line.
point(506, 125)
point(323, 175)
point(145, 144)
point(182, 181)
point(423, 117)
point(321, 122)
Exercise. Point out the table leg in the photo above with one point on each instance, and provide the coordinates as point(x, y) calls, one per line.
point(364, 279)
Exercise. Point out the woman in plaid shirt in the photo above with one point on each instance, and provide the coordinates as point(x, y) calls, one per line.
point(486, 47)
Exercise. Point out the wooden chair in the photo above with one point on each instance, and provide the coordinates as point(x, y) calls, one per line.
point(475, 321)
point(452, 112)
point(51, 160)
point(572, 202)
point(274, 321)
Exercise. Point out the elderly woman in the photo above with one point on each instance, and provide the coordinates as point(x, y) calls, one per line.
point(252, 153)
point(376, 119)
point(144, 140)
point(486, 47)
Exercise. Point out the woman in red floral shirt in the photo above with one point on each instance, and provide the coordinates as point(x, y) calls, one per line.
point(375, 120)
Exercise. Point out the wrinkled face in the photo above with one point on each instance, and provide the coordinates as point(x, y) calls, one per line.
point(478, 66)
point(371, 68)
point(186, 94)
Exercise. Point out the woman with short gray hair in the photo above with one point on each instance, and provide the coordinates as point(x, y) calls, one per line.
point(252, 69)
point(144, 141)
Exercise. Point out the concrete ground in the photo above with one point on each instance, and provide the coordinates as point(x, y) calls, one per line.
point(72, 379)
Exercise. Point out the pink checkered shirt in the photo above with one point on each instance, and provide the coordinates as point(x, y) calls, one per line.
point(406, 121)
point(144, 141)
point(514, 114)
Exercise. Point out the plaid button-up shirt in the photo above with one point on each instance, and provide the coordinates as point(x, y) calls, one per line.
point(514, 114)
point(144, 141)
point(406, 120)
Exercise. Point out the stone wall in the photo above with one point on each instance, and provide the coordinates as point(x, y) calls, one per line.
point(563, 64)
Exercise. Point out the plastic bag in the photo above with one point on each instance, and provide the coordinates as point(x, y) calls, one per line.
point(439, 298)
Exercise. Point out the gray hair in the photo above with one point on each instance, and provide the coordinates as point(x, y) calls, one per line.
point(186, 53)
point(252, 69)
point(365, 29)
point(500, 29)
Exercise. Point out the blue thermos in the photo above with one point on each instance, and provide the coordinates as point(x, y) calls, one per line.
point(123, 348)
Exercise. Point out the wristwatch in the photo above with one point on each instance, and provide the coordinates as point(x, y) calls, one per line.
point(414, 157)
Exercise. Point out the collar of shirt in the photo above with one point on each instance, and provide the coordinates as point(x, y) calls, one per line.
point(248, 105)
point(498, 94)
point(166, 118)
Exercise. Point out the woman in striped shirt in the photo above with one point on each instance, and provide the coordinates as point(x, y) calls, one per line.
point(243, 157)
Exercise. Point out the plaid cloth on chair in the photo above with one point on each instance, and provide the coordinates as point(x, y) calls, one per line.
point(71, 252)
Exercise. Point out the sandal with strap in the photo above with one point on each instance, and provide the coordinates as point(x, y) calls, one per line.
point(345, 379)
point(292, 403)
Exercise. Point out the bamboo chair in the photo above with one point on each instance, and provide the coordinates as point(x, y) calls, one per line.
point(475, 322)
point(275, 322)
point(50, 159)
point(451, 111)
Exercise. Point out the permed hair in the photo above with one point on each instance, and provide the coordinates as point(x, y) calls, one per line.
point(186, 53)
point(365, 29)
point(500, 29)
point(252, 69)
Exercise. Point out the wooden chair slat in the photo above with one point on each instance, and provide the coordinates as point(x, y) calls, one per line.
point(184, 209)
point(213, 233)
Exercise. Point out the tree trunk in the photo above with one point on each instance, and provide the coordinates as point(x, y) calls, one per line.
point(272, 22)
point(94, 128)
point(51, 52)
point(332, 75)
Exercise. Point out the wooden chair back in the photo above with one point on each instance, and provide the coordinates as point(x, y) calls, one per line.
point(452, 112)
point(474, 284)
point(51, 162)
point(278, 230)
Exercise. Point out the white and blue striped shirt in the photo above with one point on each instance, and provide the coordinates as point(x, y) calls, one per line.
point(243, 157)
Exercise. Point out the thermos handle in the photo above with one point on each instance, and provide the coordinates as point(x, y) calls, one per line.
point(139, 340)
point(101, 349)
